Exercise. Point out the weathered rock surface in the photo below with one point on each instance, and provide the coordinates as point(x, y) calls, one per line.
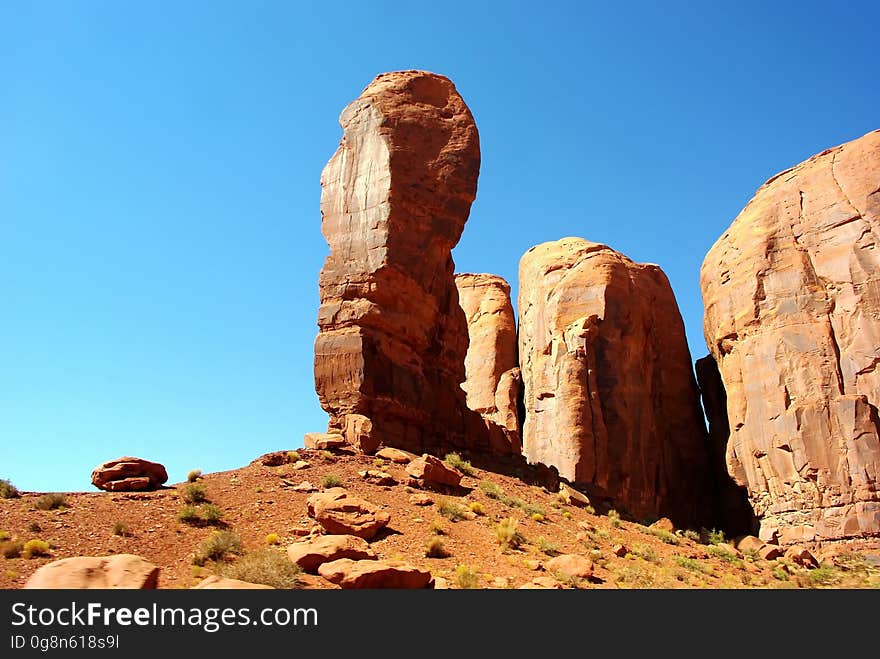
point(570, 566)
point(129, 474)
point(309, 555)
point(90, 572)
point(494, 382)
point(792, 318)
point(224, 583)
point(348, 573)
point(323, 441)
point(396, 455)
point(341, 514)
point(395, 198)
point(432, 471)
point(610, 395)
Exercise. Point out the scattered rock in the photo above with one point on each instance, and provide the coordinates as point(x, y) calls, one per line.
point(339, 513)
point(348, 573)
point(542, 583)
point(729, 548)
point(802, 556)
point(301, 464)
point(440, 583)
point(533, 564)
point(311, 554)
point(620, 550)
point(307, 581)
point(664, 524)
point(419, 499)
point(323, 441)
point(396, 455)
point(570, 565)
point(299, 532)
point(573, 497)
point(274, 459)
point(749, 543)
point(305, 486)
point(129, 474)
point(95, 572)
point(222, 583)
point(429, 470)
point(500, 583)
point(377, 477)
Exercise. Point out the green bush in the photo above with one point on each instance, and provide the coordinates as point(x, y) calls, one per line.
point(547, 547)
point(466, 577)
point(267, 566)
point(195, 493)
point(220, 545)
point(715, 537)
point(194, 475)
point(293, 456)
point(11, 548)
point(203, 515)
point(455, 461)
point(450, 510)
point(331, 481)
point(51, 501)
point(646, 552)
point(8, 490)
point(614, 517)
point(34, 548)
point(665, 536)
point(491, 490)
point(723, 554)
point(692, 564)
point(508, 535)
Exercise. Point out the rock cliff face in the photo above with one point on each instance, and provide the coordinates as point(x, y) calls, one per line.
point(610, 395)
point(493, 383)
point(792, 317)
point(390, 353)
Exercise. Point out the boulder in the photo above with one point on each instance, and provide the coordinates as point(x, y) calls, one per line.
point(323, 441)
point(610, 395)
point(573, 497)
point(392, 337)
point(309, 555)
point(769, 552)
point(664, 524)
point(395, 455)
point(749, 543)
point(339, 513)
point(349, 573)
point(222, 583)
point(493, 380)
point(377, 477)
point(129, 474)
point(802, 556)
point(96, 572)
point(420, 499)
point(792, 319)
point(432, 471)
point(570, 566)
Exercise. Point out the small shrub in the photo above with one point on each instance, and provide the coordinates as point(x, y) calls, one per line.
point(455, 461)
point(450, 510)
point(220, 545)
point(195, 493)
point(5, 535)
point(692, 564)
point(824, 575)
point(189, 515)
point(646, 552)
point(51, 501)
point(8, 490)
point(194, 475)
point(508, 535)
point(211, 514)
point(265, 566)
point(121, 529)
point(567, 514)
point(34, 527)
point(477, 508)
point(293, 456)
point(692, 535)
point(11, 548)
point(547, 547)
point(258, 489)
point(437, 527)
point(561, 498)
point(614, 517)
point(532, 509)
point(665, 536)
point(590, 510)
point(723, 554)
point(780, 574)
point(436, 549)
point(715, 537)
point(331, 480)
point(538, 517)
point(636, 576)
point(206, 514)
point(273, 539)
point(466, 577)
point(491, 490)
point(327, 456)
point(33, 548)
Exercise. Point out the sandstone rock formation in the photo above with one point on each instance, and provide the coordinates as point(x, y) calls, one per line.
point(792, 317)
point(570, 566)
point(339, 513)
point(610, 395)
point(493, 383)
point(96, 572)
point(348, 573)
point(389, 355)
point(224, 583)
point(310, 554)
point(429, 471)
point(129, 474)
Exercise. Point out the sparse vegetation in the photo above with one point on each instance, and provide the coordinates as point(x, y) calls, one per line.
point(5, 535)
point(477, 508)
point(567, 514)
point(537, 517)
point(491, 490)
point(220, 545)
point(455, 461)
point(665, 536)
point(614, 518)
point(330, 480)
point(466, 577)
point(780, 574)
point(273, 539)
point(267, 566)
point(11, 548)
point(645, 552)
point(450, 510)
point(824, 575)
point(532, 509)
point(437, 527)
point(204, 515)
point(327, 456)
point(590, 510)
point(8, 490)
point(121, 529)
point(508, 535)
point(35, 548)
point(51, 501)
point(194, 475)
point(692, 535)
point(195, 493)
point(723, 554)
point(436, 549)
point(547, 547)
point(211, 514)
point(715, 537)
point(692, 564)
point(293, 456)
point(635, 575)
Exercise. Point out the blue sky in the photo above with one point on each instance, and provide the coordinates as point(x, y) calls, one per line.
point(159, 184)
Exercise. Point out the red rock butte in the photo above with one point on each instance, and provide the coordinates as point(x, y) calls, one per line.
point(390, 352)
point(792, 318)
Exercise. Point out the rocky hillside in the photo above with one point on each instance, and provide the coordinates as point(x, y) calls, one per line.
point(556, 540)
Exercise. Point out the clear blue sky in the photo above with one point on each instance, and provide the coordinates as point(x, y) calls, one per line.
point(159, 184)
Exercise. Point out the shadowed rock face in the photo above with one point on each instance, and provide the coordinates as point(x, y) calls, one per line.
point(390, 353)
point(610, 394)
point(493, 383)
point(792, 317)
